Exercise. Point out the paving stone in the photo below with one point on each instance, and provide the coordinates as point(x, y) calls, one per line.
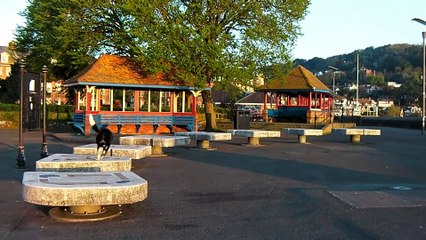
point(134, 152)
point(83, 163)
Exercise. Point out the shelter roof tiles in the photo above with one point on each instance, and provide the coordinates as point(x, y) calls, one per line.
point(299, 78)
point(117, 70)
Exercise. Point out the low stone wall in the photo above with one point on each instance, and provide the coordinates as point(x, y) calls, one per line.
point(404, 122)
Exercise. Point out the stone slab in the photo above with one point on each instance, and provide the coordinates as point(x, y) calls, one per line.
point(83, 163)
point(349, 131)
point(155, 140)
point(134, 152)
point(372, 132)
point(209, 136)
point(254, 133)
point(83, 188)
point(303, 132)
point(357, 131)
point(382, 199)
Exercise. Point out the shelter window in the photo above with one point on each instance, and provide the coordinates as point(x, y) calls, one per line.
point(117, 96)
point(154, 101)
point(81, 99)
point(129, 100)
point(165, 101)
point(183, 102)
point(144, 100)
point(105, 99)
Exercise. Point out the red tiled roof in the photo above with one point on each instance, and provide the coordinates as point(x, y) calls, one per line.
point(116, 70)
point(299, 78)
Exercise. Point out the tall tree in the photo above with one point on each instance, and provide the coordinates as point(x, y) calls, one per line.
point(200, 41)
point(223, 40)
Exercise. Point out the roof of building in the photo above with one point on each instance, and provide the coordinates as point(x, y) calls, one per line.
point(254, 98)
point(112, 70)
point(3, 49)
point(299, 79)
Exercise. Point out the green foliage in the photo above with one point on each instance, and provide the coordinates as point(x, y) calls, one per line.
point(60, 108)
point(7, 107)
point(377, 80)
point(9, 88)
point(393, 111)
point(201, 42)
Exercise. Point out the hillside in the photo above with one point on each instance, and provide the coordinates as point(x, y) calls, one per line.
point(400, 63)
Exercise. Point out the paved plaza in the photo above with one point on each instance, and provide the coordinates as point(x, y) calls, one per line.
point(329, 188)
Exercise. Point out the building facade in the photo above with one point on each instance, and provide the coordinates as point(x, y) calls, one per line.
point(6, 62)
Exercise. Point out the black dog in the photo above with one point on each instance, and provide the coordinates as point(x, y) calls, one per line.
point(103, 138)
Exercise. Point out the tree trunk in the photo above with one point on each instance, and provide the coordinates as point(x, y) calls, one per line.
point(209, 110)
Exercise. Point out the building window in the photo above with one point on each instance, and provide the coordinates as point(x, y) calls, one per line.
point(5, 58)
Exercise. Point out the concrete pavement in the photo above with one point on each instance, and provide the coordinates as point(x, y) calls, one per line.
point(282, 190)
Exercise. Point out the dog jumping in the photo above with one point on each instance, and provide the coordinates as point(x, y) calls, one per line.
point(103, 138)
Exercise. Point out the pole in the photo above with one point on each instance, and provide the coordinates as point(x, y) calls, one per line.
point(335, 69)
point(357, 80)
point(424, 80)
point(421, 21)
point(44, 153)
point(21, 149)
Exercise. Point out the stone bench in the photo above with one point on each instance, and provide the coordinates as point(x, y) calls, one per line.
point(134, 152)
point(157, 142)
point(303, 133)
point(203, 138)
point(254, 135)
point(355, 133)
point(83, 163)
point(83, 196)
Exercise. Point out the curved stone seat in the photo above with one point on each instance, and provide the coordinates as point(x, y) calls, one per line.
point(254, 135)
point(157, 142)
point(84, 196)
point(134, 152)
point(303, 133)
point(82, 163)
point(203, 138)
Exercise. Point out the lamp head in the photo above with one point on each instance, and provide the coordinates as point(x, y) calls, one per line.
point(421, 21)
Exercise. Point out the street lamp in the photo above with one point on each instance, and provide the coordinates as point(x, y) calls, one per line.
point(21, 151)
point(335, 69)
point(424, 77)
point(44, 152)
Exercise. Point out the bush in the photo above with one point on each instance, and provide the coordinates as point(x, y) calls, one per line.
point(392, 111)
point(9, 107)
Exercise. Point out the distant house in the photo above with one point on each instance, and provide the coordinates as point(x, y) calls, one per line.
point(6, 62)
point(394, 84)
point(385, 103)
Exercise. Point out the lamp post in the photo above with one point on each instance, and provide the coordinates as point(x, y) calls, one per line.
point(335, 69)
point(21, 151)
point(423, 76)
point(44, 152)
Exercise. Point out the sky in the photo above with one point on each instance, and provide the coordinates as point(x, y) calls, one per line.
point(331, 27)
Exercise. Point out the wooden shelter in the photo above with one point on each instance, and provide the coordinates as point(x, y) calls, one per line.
point(300, 96)
point(126, 99)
